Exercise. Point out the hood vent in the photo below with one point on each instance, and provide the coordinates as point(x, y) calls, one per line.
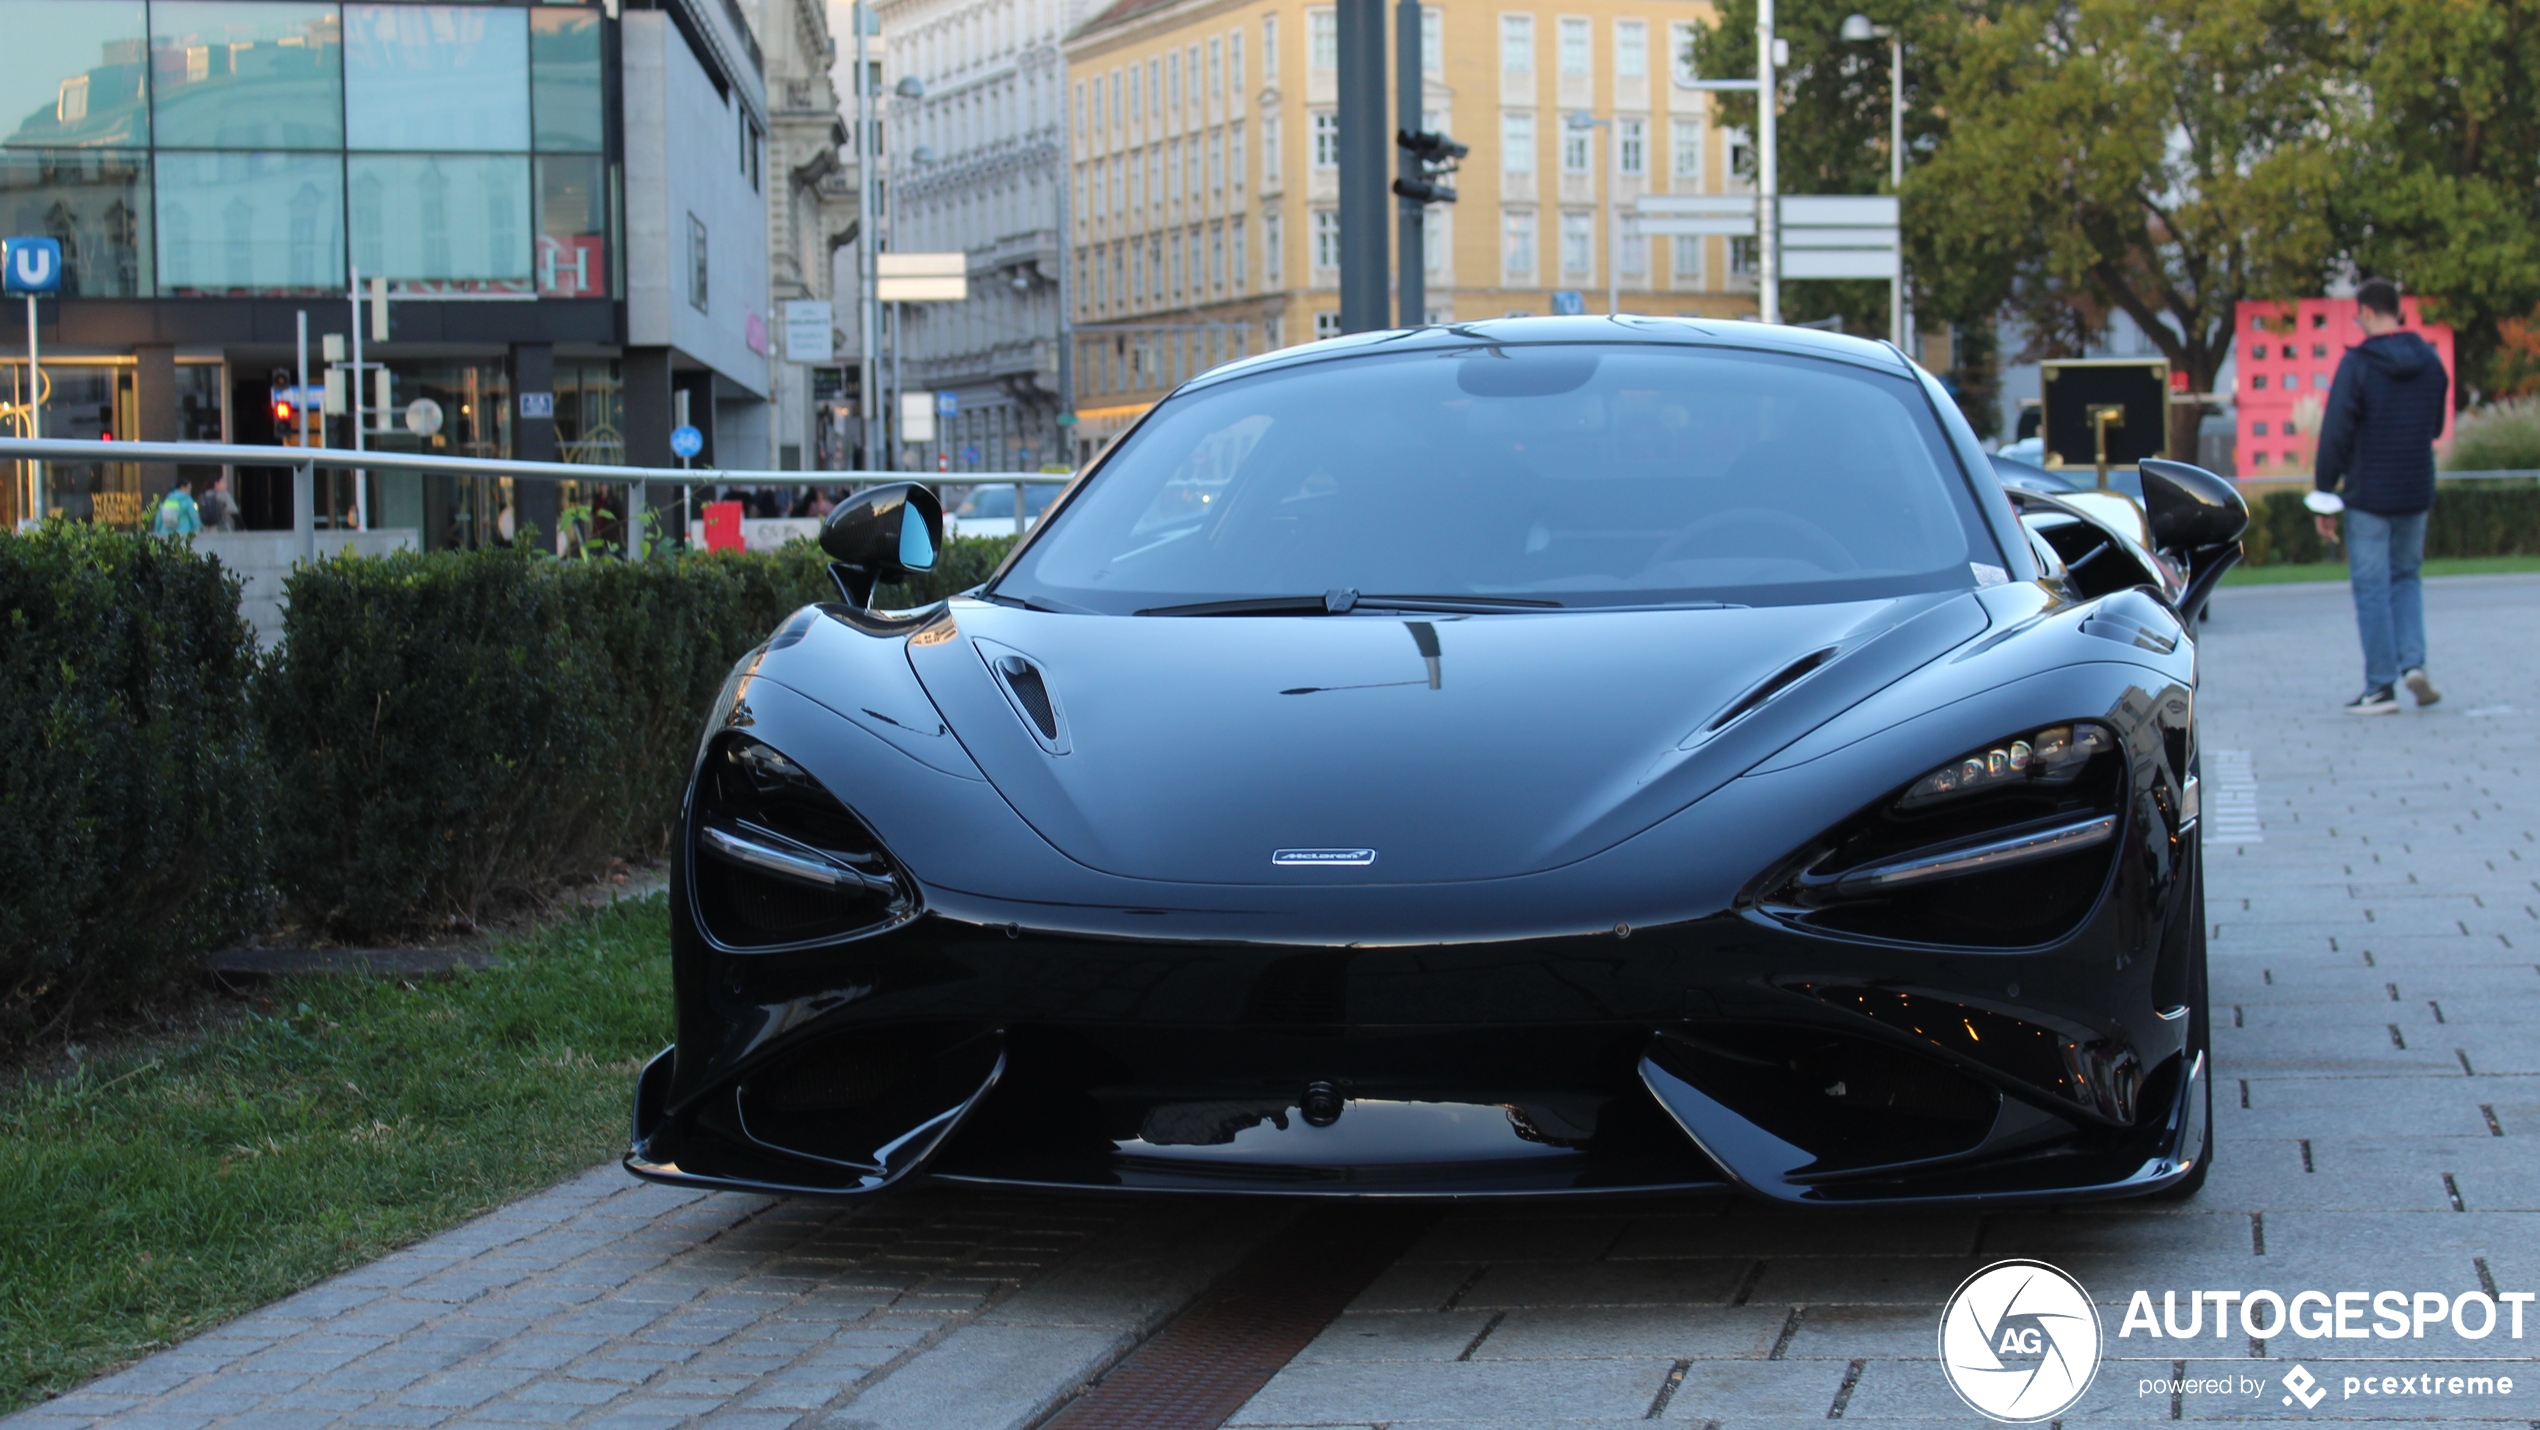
point(1028, 691)
point(1764, 693)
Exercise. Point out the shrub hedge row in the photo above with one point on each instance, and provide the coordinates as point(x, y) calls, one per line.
point(133, 787)
point(438, 734)
point(2470, 518)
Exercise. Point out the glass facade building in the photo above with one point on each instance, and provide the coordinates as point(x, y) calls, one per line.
point(207, 148)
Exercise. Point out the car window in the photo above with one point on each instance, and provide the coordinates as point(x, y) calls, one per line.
point(1581, 475)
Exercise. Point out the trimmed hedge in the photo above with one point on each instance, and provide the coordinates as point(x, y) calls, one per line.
point(459, 731)
point(2470, 518)
point(133, 789)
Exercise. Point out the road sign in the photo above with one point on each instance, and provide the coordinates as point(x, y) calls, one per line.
point(1567, 303)
point(686, 441)
point(948, 403)
point(1839, 236)
point(921, 277)
point(809, 334)
point(970, 454)
point(34, 265)
point(917, 417)
point(1689, 215)
point(1067, 419)
point(423, 417)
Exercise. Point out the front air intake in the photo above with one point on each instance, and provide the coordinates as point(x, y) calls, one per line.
point(778, 862)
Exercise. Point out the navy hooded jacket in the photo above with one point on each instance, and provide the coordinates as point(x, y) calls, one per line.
point(2384, 412)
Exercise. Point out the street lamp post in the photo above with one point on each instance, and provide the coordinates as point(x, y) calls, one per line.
point(1613, 214)
point(1858, 29)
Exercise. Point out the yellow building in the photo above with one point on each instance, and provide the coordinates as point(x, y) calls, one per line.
point(1206, 203)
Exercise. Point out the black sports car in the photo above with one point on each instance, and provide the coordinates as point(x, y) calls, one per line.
point(1543, 756)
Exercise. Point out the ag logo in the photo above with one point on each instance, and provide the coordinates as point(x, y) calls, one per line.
point(2019, 1341)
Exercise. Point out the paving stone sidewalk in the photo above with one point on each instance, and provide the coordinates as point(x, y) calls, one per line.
point(2376, 957)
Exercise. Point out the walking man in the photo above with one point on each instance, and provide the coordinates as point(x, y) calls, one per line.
point(176, 514)
point(2384, 411)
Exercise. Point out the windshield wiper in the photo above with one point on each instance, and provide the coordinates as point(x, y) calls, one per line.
point(1034, 603)
point(1342, 602)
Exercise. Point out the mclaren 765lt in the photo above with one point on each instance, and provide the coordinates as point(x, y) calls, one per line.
point(1551, 756)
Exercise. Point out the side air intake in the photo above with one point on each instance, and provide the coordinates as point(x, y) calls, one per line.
point(1027, 690)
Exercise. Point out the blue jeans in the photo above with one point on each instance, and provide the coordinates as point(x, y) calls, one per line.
point(2382, 557)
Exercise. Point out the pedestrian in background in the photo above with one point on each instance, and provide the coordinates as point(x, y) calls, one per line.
point(176, 514)
point(218, 509)
point(2384, 411)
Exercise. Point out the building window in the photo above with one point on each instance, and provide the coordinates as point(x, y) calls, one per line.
point(1327, 239)
point(1327, 324)
point(1433, 42)
point(1199, 275)
point(697, 262)
point(1216, 259)
point(451, 218)
point(564, 81)
point(96, 203)
point(1216, 61)
point(1269, 150)
point(1235, 64)
point(267, 223)
point(1216, 161)
point(1435, 236)
point(1517, 245)
point(1173, 80)
point(1517, 42)
point(1138, 273)
point(264, 77)
point(1633, 261)
point(1631, 147)
point(1240, 264)
point(1235, 157)
point(1631, 49)
point(1517, 143)
point(1327, 139)
point(1323, 38)
point(1688, 258)
point(1080, 107)
point(1742, 257)
point(1578, 245)
point(1684, 153)
point(1269, 49)
point(1680, 53)
point(435, 77)
point(1574, 149)
point(1270, 277)
point(1574, 47)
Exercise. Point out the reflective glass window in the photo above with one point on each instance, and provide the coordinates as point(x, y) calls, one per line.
point(229, 75)
point(97, 202)
point(74, 74)
point(441, 217)
point(436, 77)
point(250, 223)
point(564, 78)
point(572, 226)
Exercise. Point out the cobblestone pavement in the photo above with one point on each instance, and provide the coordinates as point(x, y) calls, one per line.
point(2376, 965)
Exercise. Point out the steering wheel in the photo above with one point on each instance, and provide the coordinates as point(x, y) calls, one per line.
point(1823, 549)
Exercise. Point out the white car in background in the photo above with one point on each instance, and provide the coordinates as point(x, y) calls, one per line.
point(989, 510)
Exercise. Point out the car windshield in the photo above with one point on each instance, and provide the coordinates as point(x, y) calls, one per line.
point(1568, 475)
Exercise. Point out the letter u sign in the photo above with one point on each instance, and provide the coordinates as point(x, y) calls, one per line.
point(33, 265)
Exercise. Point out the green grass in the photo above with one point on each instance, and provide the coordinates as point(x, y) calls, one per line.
point(2336, 570)
point(154, 1195)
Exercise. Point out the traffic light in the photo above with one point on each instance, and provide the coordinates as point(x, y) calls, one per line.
point(1437, 155)
point(283, 401)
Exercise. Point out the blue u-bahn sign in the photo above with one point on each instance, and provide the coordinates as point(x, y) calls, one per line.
point(32, 265)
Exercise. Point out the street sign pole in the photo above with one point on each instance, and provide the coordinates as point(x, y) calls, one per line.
point(34, 399)
point(304, 476)
point(33, 267)
point(1363, 132)
point(1768, 247)
point(1411, 220)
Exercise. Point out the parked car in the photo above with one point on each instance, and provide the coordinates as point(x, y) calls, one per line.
point(1542, 756)
point(989, 510)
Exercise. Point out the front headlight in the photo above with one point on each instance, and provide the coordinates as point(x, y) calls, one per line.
point(2005, 846)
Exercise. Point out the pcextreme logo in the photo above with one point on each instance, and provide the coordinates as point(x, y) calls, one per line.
point(2019, 1341)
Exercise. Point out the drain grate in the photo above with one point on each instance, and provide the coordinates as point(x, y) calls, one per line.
point(1212, 1358)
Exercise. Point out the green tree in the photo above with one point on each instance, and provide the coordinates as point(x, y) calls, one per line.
point(2443, 183)
point(2162, 158)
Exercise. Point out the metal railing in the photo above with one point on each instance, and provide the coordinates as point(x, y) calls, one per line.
point(305, 461)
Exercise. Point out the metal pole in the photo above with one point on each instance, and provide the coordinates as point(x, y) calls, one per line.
point(869, 308)
point(1065, 445)
point(34, 400)
point(898, 313)
point(303, 476)
point(1896, 180)
point(1768, 218)
point(1363, 135)
point(1411, 222)
point(1613, 216)
point(353, 380)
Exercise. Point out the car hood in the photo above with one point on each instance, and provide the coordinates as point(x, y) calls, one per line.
point(1432, 748)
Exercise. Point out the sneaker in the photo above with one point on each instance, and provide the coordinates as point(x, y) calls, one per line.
point(2380, 700)
point(2420, 687)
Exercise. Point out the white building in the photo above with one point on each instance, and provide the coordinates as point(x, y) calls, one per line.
point(978, 164)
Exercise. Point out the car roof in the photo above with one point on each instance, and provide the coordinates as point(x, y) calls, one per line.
point(1602, 328)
